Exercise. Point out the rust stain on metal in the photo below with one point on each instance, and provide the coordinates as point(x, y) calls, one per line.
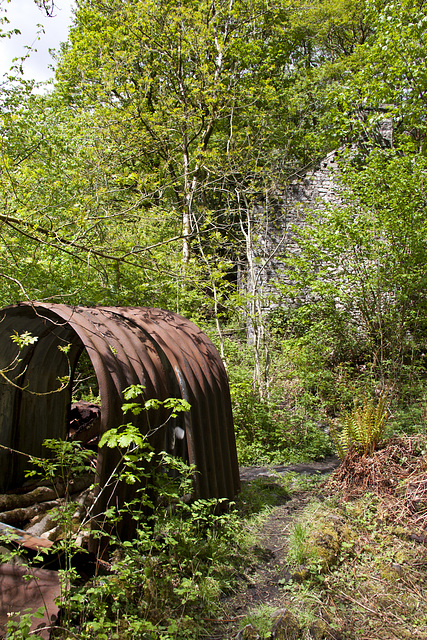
point(164, 352)
point(23, 588)
point(23, 538)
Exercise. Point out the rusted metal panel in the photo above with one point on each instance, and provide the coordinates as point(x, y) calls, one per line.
point(27, 589)
point(23, 588)
point(160, 350)
point(23, 538)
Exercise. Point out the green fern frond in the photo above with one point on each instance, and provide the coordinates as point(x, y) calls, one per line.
point(363, 427)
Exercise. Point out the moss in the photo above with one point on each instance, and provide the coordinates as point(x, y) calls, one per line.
point(390, 574)
point(301, 575)
point(326, 540)
point(320, 630)
point(285, 626)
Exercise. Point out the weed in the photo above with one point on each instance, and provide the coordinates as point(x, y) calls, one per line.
point(299, 550)
point(260, 620)
point(19, 627)
point(377, 580)
point(261, 494)
point(183, 557)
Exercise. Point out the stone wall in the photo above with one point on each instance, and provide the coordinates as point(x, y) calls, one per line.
point(275, 222)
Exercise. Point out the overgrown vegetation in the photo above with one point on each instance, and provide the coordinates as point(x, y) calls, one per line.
point(358, 557)
point(169, 580)
point(351, 563)
point(143, 176)
point(161, 584)
point(362, 428)
point(354, 555)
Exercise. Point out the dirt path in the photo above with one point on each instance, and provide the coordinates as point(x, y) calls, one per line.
point(264, 580)
point(309, 468)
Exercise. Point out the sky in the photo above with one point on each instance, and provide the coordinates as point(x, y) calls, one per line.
point(25, 15)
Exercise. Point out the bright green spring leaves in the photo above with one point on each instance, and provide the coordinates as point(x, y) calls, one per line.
point(181, 87)
point(364, 259)
point(385, 74)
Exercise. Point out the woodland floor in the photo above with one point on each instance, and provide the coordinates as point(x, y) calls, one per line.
point(377, 590)
point(263, 582)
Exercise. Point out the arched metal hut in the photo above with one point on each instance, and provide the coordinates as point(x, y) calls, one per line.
point(158, 349)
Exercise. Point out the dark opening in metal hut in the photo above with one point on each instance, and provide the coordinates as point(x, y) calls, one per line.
point(164, 352)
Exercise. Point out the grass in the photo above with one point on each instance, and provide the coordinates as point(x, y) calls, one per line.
point(374, 585)
point(356, 558)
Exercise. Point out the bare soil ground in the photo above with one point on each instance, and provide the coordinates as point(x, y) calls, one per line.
point(262, 582)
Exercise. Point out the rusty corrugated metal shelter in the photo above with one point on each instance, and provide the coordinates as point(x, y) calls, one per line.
point(27, 590)
point(164, 352)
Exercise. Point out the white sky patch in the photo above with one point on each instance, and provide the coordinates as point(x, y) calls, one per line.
point(25, 15)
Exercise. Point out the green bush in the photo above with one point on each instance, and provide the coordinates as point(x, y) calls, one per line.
point(171, 575)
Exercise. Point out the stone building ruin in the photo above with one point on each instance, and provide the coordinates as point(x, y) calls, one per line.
point(310, 189)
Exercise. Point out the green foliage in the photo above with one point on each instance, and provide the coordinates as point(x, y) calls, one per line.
point(128, 436)
point(184, 555)
point(409, 419)
point(260, 621)
point(283, 428)
point(261, 494)
point(268, 433)
point(19, 628)
point(67, 460)
point(361, 261)
point(134, 183)
point(23, 339)
point(364, 427)
point(85, 383)
point(385, 73)
point(172, 573)
point(123, 437)
point(376, 561)
point(299, 550)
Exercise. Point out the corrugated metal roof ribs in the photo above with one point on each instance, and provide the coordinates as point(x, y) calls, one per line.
point(164, 352)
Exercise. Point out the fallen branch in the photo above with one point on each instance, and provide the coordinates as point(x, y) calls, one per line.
point(43, 494)
point(17, 516)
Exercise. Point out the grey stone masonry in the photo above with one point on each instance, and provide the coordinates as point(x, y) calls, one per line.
point(275, 222)
point(276, 217)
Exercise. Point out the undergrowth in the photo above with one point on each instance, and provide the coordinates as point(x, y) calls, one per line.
point(359, 565)
point(363, 577)
point(355, 556)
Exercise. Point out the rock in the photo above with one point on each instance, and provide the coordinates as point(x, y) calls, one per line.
point(300, 575)
point(326, 541)
point(18, 516)
point(20, 501)
point(41, 525)
point(53, 534)
point(285, 626)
